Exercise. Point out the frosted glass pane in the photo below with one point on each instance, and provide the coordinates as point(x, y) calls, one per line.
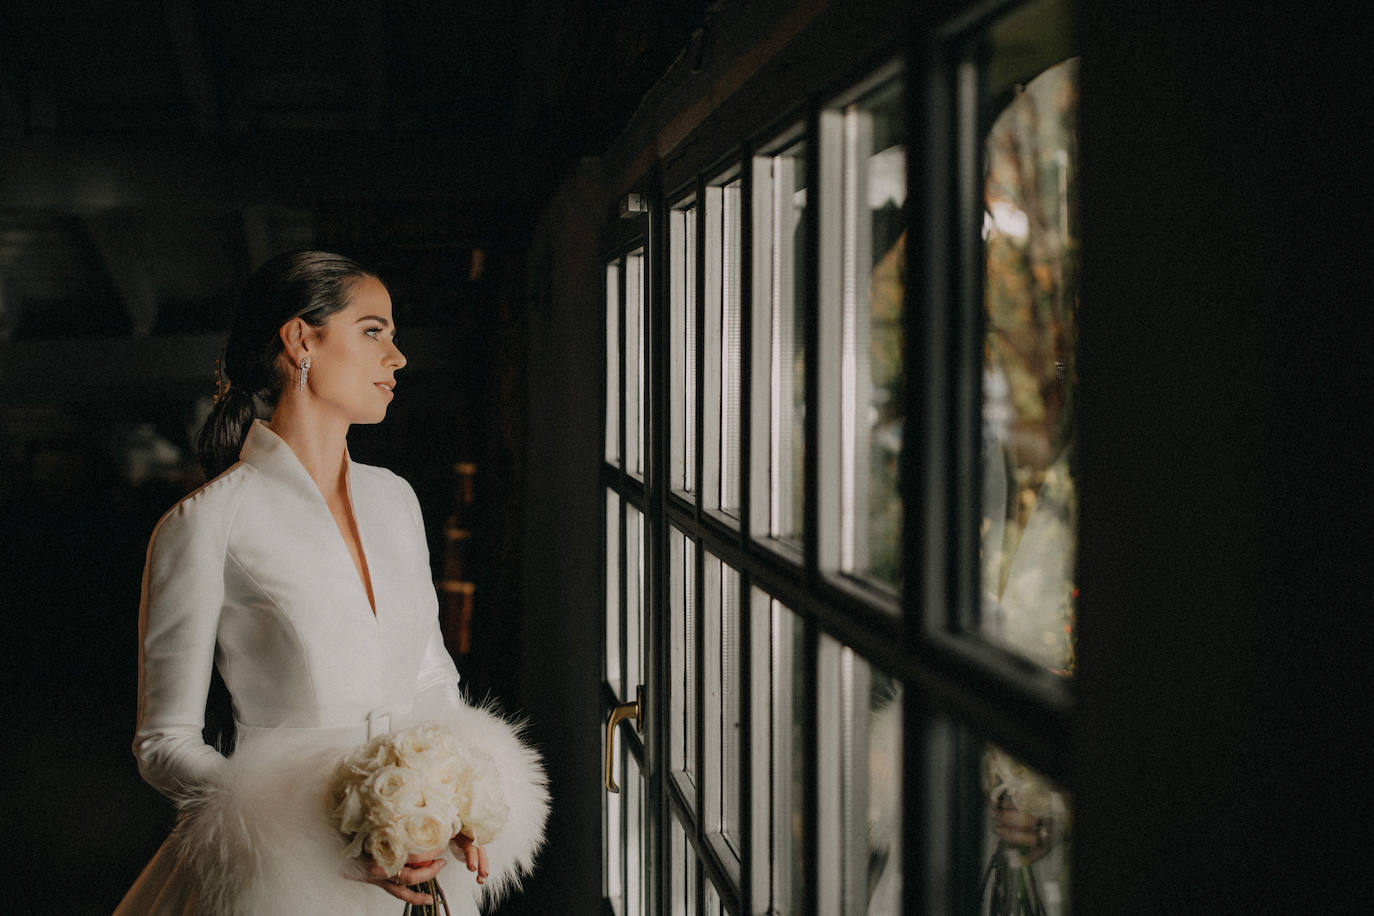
point(612, 449)
point(861, 784)
point(613, 577)
point(682, 305)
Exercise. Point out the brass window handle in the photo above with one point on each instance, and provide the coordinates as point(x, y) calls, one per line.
point(620, 713)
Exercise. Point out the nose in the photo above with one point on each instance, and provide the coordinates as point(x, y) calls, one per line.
point(396, 359)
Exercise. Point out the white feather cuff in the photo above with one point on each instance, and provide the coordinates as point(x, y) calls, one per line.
point(259, 839)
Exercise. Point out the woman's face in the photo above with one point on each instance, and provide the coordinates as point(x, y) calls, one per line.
point(353, 356)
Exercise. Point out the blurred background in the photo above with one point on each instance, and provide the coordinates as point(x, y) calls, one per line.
point(152, 154)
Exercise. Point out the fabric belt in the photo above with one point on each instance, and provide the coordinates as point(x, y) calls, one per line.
point(381, 720)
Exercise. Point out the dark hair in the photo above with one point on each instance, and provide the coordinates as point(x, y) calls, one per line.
point(310, 285)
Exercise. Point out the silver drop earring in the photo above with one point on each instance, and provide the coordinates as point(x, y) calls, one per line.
point(305, 371)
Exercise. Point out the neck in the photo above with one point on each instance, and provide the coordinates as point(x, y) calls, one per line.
point(321, 443)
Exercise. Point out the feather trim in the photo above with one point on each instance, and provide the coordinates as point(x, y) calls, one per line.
point(258, 840)
point(511, 854)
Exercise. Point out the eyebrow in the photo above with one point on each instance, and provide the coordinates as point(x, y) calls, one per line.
point(379, 318)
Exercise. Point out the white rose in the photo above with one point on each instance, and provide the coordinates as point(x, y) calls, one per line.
point(392, 792)
point(426, 832)
point(443, 779)
point(371, 756)
point(350, 815)
point(387, 847)
point(411, 745)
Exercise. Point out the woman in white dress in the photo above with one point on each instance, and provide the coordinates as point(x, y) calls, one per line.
point(304, 577)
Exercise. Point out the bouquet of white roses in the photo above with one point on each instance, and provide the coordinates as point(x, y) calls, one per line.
point(410, 792)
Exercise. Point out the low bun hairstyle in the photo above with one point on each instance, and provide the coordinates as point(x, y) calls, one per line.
point(310, 285)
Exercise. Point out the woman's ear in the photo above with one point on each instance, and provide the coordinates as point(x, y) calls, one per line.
point(295, 339)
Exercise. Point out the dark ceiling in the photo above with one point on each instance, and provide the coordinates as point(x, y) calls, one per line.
point(153, 151)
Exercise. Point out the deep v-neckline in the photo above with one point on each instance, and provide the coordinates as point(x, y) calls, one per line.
point(265, 448)
point(361, 566)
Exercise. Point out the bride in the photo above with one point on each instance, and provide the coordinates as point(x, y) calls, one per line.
point(304, 578)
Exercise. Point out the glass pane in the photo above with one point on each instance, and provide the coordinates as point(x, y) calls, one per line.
point(779, 360)
point(1029, 524)
point(723, 698)
point(732, 693)
point(682, 733)
point(1026, 844)
point(613, 576)
point(712, 902)
point(723, 342)
point(635, 597)
point(682, 267)
point(635, 858)
point(863, 295)
point(612, 362)
point(614, 845)
point(636, 369)
point(778, 753)
point(683, 888)
point(860, 713)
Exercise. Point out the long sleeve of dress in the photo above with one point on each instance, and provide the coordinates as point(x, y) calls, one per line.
point(183, 588)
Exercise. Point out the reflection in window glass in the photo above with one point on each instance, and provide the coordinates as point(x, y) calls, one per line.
point(612, 362)
point(682, 321)
point(860, 769)
point(613, 591)
point(779, 754)
point(1026, 844)
point(723, 341)
point(1030, 304)
point(779, 360)
point(861, 307)
point(682, 734)
point(635, 362)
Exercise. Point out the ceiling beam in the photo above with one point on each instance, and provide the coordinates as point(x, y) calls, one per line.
point(95, 173)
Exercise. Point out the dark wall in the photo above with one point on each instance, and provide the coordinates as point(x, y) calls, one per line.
point(1223, 668)
point(560, 660)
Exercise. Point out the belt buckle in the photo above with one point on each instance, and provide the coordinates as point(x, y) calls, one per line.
point(379, 722)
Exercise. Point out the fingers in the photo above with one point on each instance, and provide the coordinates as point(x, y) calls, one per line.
point(474, 856)
point(1018, 828)
point(413, 874)
point(400, 884)
point(401, 892)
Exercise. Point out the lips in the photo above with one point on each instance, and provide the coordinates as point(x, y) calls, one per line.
point(388, 387)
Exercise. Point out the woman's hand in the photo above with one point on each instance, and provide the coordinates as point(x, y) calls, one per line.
point(475, 856)
point(417, 870)
point(1031, 833)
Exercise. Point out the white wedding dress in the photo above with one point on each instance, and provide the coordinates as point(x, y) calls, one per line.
point(251, 574)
